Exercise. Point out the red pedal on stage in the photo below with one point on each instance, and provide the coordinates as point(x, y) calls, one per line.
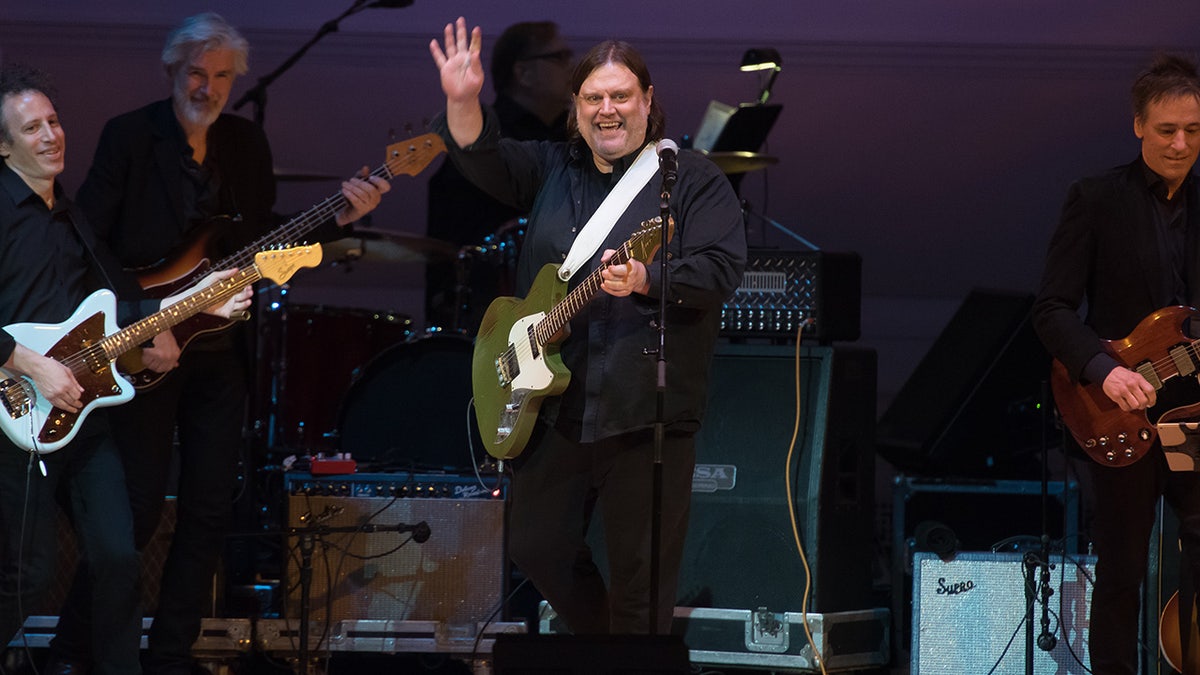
point(338, 464)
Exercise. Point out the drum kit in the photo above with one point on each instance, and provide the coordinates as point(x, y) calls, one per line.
point(334, 379)
point(366, 382)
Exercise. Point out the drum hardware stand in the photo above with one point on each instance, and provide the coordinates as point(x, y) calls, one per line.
point(462, 287)
point(308, 535)
point(747, 210)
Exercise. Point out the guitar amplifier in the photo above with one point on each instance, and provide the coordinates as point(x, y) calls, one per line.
point(968, 614)
point(782, 290)
point(365, 567)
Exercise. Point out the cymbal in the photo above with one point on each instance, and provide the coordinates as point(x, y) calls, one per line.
point(301, 176)
point(389, 246)
point(740, 161)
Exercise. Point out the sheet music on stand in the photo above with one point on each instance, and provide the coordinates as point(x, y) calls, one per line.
point(730, 128)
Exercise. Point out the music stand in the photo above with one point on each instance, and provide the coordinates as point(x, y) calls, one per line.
point(743, 128)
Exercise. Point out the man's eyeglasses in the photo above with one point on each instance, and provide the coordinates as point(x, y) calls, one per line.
point(562, 56)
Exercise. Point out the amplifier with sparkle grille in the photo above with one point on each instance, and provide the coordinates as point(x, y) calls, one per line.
point(367, 566)
point(781, 290)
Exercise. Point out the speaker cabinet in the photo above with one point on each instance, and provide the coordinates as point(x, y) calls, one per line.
point(456, 576)
point(969, 615)
point(970, 408)
point(740, 552)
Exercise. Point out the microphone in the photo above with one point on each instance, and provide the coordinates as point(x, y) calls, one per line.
point(421, 532)
point(667, 151)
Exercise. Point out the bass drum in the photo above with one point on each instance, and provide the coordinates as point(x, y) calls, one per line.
point(409, 410)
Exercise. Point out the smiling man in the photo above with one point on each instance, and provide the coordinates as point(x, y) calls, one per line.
point(593, 445)
point(164, 176)
point(1127, 245)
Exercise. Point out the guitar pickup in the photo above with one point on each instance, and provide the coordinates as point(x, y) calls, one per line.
point(1181, 356)
point(1147, 371)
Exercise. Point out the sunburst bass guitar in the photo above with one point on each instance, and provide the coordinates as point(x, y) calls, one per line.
point(516, 362)
point(1162, 353)
point(89, 343)
point(192, 262)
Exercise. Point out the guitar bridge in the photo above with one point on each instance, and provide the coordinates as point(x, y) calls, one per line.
point(507, 367)
point(508, 417)
point(16, 397)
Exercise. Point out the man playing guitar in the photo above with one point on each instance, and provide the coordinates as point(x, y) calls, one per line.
point(1128, 244)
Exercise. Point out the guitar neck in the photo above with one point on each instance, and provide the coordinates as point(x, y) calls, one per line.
point(290, 232)
point(568, 307)
point(141, 331)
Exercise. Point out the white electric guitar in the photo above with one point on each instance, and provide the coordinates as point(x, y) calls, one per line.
point(89, 343)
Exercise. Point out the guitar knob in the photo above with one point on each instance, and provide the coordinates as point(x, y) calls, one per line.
point(1090, 443)
point(1144, 434)
point(1103, 441)
point(1110, 456)
point(1128, 453)
point(1122, 438)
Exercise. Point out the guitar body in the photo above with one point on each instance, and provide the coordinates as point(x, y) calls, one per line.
point(89, 344)
point(1157, 348)
point(1169, 642)
point(27, 418)
point(507, 399)
point(180, 270)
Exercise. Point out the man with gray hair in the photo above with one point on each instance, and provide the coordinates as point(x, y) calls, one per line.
point(164, 176)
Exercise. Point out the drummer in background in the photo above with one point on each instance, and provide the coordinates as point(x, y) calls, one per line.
point(531, 70)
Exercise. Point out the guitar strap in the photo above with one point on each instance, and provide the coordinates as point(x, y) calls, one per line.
point(602, 221)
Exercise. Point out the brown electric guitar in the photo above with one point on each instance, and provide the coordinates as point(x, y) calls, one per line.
point(1161, 352)
point(193, 260)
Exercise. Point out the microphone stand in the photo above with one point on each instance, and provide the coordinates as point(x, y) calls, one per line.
point(1041, 592)
point(660, 403)
point(258, 93)
point(309, 534)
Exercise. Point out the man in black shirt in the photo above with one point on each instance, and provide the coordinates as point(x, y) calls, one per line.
point(594, 444)
point(1128, 244)
point(49, 262)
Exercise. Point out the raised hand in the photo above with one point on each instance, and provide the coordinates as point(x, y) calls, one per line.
point(459, 62)
point(462, 80)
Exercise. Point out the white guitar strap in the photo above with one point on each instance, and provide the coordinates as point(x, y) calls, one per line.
point(602, 221)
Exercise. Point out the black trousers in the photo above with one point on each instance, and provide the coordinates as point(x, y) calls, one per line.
point(85, 476)
point(1123, 503)
point(205, 400)
point(556, 485)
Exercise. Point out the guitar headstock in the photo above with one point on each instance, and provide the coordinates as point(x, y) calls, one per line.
point(645, 242)
point(279, 265)
point(412, 156)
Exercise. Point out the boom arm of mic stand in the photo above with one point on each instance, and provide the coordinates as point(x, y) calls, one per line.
point(258, 93)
